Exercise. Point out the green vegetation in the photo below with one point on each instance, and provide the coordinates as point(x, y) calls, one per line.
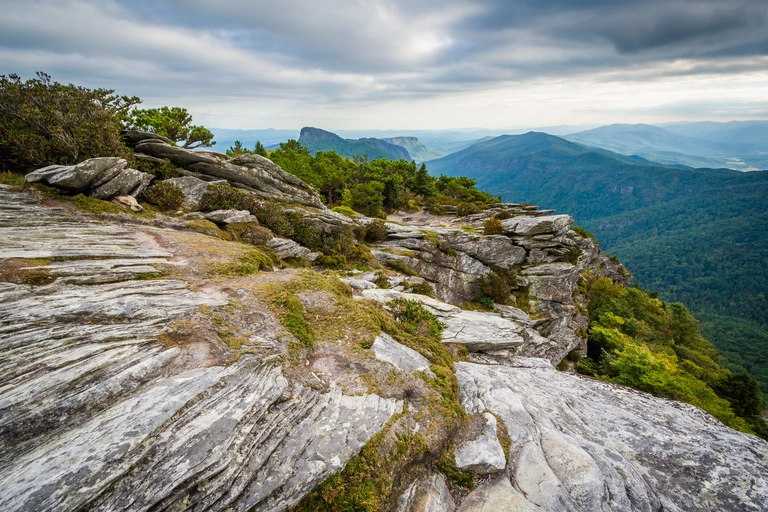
point(247, 264)
point(492, 226)
point(399, 266)
point(237, 149)
point(376, 186)
point(423, 289)
point(166, 196)
point(696, 236)
point(415, 318)
point(641, 342)
point(175, 123)
point(43, 122)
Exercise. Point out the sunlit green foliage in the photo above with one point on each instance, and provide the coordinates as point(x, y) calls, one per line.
point(375, 186)
point(174, 123)
point(639, 341)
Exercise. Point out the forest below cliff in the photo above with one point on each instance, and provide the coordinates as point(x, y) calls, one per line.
point(698, 236)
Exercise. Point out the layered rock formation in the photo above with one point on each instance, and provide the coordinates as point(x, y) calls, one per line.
point(248, 172)
point(102, 178)
point(119, 390)
point(99, 413)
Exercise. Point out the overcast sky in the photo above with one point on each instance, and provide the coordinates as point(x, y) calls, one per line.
point(429, 64)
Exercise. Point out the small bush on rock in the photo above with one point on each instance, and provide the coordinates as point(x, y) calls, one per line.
point(415, 318)
point(165, 195)
point(376, 231)
point(492, 226)
point(222, 197)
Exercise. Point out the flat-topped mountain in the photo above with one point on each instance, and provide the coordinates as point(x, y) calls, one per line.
point(315, 139)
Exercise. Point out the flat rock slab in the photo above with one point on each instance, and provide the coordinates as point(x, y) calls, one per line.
point(582, 444)
point(479, 331)
point(530, 226)
point(404, 358)
point(482, 331)
point(483, 455)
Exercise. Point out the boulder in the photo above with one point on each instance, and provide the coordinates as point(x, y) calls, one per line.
point(401, 357)
point(103, 178)
point(482, 331)
point(495, 250)
point(249, 172)
point(439, 308)
point(285, 248)
point(224, 217)
point(529, 226)
point(358, 285)
point(193, 189)
point(552, 282)
point(483, 455)
point(129, 182)
point(497, 495)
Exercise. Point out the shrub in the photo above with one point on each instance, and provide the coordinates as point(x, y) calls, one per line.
point(248, 232)
point(503, 214)
point(381, 280)
point(345, 210)
point(401, 267)
point(376, 231)
point(161, 171)
point(423, 289)
point(486, 301)
point(247, 264)
point(165, 195)
point(495, 287)
point(221, 197)
point(44, 123)
point(415, 318)
point(464, 209)
point(492, 226)
point(332, 261)
point(583, 233)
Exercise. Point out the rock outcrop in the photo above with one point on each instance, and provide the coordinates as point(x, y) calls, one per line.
point(583, 444)
point(102, 178)
point(118, 390)
point(97, 412)
point(248, 172)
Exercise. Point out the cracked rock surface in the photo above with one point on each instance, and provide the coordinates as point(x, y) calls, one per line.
point(97, 412)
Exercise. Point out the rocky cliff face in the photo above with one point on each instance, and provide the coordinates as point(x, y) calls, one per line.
point(139, 375)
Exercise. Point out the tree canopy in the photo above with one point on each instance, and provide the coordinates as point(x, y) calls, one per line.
point(43, 122)
point(370, 187)
point(174, 123)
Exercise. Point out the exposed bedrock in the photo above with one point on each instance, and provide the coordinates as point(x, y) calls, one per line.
point(99, 412)
point(254, 173)
point(586, 445)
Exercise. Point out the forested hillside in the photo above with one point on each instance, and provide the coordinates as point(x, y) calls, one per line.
point(695, 236)
point(316, 140)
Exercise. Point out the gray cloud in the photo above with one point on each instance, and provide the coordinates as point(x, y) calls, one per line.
point(367, 51)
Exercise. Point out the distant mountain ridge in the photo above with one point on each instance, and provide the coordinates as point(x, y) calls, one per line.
point(315, 139)
point(669, 147)
point(416, 149)
point(695, 235)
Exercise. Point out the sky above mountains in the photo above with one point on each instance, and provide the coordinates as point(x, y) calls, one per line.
point(417, 64)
